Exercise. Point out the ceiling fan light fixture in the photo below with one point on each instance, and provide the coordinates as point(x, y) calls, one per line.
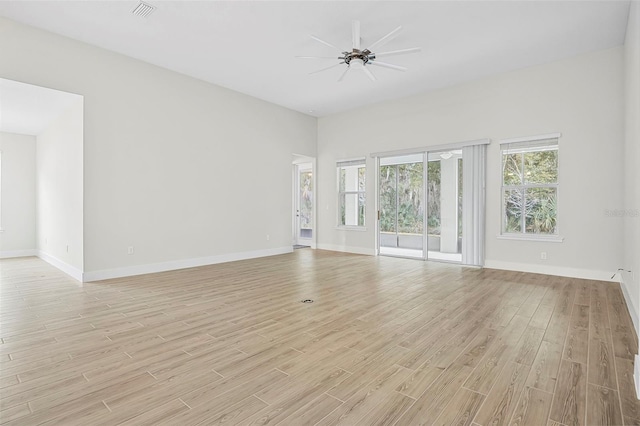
point(356, 63)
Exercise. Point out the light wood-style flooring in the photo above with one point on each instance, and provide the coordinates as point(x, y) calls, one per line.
point(386, 342)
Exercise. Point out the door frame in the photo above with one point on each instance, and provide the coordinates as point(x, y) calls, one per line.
point(300, 163)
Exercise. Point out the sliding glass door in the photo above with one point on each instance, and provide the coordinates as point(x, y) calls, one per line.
point(431, 204)
point(420, 208)
point(401, 206)
point(444, 206)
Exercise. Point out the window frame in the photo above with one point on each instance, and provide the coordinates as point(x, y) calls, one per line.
point(529, 144)
point(340, 165)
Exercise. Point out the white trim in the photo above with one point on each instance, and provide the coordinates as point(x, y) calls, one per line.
point(347, 249)
point(352, 162)
point(441, 147)
point(376, 205)
point(7, 254)
point(72, 271)
point(633, 309)
point(561, 271)
point(151, 268)
point(531, 138)
point(351, 228)
point(636, 375)
point(531, 237)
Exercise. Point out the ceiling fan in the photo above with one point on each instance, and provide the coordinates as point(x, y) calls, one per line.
point(361, 59)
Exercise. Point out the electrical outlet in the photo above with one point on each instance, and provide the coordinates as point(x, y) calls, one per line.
point(268, 237)
point(543, 255)
point(130, 250)
point(67, 248)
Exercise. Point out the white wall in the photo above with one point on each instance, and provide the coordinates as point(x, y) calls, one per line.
point(580, 97)
point(176, 167)
point(59, 191)
point(631, 281)
point(18, 222)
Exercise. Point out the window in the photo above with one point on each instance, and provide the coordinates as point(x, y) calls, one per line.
point(351, 192)
point(530, 186)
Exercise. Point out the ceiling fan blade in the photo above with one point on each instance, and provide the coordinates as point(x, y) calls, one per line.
point(398, 52)
point(326, 68)
point(316, 57)
point(355, 34)
point(326, 43)
point(369, 73)
point(385, 39)
point(344, 73)
point(386, 65)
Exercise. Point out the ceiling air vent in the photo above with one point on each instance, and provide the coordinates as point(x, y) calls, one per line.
point(143, 9)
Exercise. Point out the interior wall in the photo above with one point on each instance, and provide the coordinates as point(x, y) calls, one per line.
point(174, 167)
point(631, 206)
point(59, 190)
point(581, 97)
point(18, 204)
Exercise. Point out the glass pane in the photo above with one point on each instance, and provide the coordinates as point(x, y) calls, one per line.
point(541, 210)
point(387, 200)
point(361, 175)
point(541, 167)
point(410, 203)
point(433, 198)
point(306, 202)
point(513, 207)
point(352, 209)
point(512, 169)
point(350, 178)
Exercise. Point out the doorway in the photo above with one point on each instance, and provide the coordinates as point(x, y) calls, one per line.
point(444, 205)
point(420, 208)
point(450, 196)
point(401, 206)
point(303, 203)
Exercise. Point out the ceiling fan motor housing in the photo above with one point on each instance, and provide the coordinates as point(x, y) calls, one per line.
point(364, 55)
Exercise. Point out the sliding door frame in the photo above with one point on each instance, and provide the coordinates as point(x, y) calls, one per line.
point(424, 210)
point(425, 155)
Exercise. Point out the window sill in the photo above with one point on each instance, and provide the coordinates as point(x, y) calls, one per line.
point(540, 238)
point(351, 228)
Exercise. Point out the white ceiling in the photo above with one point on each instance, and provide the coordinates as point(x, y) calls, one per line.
point(27, 109)
point(250, 46)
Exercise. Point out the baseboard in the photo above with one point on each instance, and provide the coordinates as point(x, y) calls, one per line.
point(560, 271)
point(18, 253)
point(64, 267)
point(347, 249)
point(631, 305)
point(636, 375)
point(151, 268)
